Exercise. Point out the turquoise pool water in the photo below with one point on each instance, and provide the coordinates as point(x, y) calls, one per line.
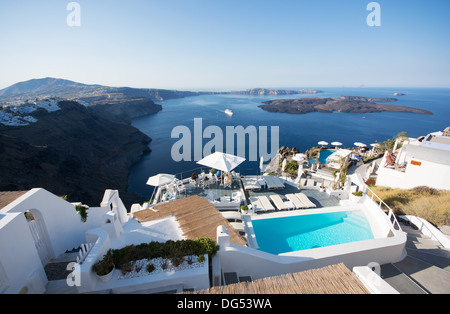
point(324, 154)
point(295, 233)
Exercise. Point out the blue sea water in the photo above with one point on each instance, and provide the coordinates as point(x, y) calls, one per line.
point(302, 131)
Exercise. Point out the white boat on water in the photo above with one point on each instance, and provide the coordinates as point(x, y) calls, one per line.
point(229, 112)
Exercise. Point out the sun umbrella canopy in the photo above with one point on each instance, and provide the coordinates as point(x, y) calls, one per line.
point(323, 143)
point(160, 179)
point(299, 157)
point(221, 161)
point(336, 143)
point(360, 144)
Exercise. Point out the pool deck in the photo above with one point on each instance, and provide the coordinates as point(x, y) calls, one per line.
point(320, 199)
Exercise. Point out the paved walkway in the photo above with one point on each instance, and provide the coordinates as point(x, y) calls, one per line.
point(425, 270)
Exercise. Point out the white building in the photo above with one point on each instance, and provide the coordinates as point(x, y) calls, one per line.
point(36, 226)
point(419, 162)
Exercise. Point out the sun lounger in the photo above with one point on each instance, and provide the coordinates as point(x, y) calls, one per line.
point(239, 226)
point(265, 202)
point(311, 183)
point(279, 203)
point(232, 215)
point(256, 203)
point(251, 183)
point(273, 183)
point(305, 200)
point(296, 201)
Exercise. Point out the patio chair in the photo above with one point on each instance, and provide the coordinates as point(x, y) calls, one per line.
point(179, 186)
point(212, 197)
point(227, 181)
point(305, 200)
point(279, 203)
point(236, 197)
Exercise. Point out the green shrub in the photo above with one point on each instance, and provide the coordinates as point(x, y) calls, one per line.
point(82, 211)
point(359, 193)
point(105, 266)
point(125, 257)
point(207, 246)
point(150, 267)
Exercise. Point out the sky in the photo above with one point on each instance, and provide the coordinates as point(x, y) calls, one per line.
point(227, 44)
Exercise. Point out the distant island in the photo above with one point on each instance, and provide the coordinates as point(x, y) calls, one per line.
point(265, 91)
point(347, 104)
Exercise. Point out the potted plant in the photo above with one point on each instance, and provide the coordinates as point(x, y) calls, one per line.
point(356, 197)
point(104, 268)
point(244, 209)
point(322, 188)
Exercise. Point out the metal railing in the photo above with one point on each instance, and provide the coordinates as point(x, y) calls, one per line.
point(390, 211)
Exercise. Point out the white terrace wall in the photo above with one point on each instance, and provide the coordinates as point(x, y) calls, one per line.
point(63, 223)
point(428, 173)
point(21, 269)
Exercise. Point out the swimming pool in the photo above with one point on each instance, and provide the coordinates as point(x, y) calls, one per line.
point(324, 154)
point(303, 232)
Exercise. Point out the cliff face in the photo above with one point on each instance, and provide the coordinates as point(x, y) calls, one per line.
point(76, 151)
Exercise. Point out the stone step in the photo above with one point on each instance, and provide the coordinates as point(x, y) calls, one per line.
point(434, 257)
point(399, 281)
point(230, 278)
point(431, 278)
point(245, 279)
point(60, 287)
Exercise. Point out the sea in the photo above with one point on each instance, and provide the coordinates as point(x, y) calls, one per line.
point(302, 131)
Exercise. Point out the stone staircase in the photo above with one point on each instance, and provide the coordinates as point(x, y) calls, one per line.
point(425, 269)
point(231, 278)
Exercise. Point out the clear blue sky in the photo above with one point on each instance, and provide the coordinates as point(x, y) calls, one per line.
point(215, 44)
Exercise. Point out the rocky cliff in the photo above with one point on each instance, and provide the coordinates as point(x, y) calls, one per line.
point(77, 151)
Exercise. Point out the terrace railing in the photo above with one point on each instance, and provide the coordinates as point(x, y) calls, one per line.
point(84, 252)
point(385, 207)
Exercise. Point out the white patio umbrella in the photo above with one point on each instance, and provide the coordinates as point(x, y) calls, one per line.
point(336, 144)
point(323, 143)
point(221, 161)
point(359, 144)
point(299, 157)
point(159, 180)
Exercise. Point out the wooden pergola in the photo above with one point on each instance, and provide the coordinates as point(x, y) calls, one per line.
point(196, 216)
